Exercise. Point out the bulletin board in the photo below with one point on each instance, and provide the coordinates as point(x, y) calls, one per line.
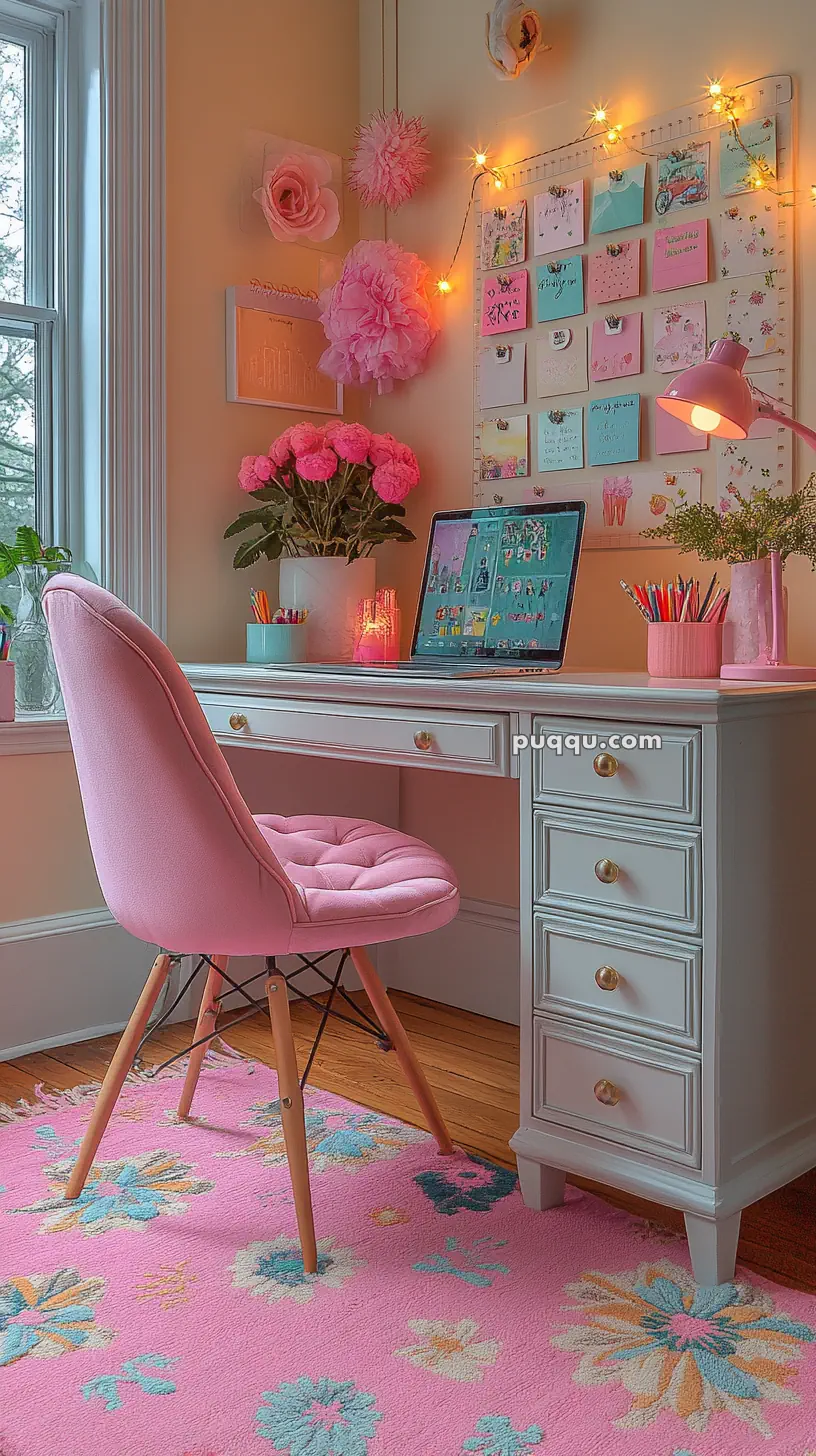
point(555, 421)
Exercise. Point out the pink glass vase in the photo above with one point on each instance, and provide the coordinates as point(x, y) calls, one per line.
point(748, 626)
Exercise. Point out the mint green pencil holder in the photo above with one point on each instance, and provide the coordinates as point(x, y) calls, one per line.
point(276, 642)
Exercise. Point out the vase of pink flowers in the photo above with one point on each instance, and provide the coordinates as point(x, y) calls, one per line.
point(324, 497)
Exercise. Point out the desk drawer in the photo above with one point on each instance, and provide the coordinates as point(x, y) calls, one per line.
point(619, 1090)
point(658, 783)
point(462, 742)
point(653, 874)
point(617, 980)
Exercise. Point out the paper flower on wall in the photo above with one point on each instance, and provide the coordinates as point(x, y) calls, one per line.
point(378, 317)
point(513, 36)
point(390, 159)
point(296, 200)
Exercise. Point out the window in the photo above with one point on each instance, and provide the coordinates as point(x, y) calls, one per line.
point(29, 322)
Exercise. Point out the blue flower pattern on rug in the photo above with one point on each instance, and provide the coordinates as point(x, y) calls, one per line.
point(471, 1270)
point(318, 1418)
point(473, 1184)
point(49, 1315)
point(133, 1372)
point(127, 1192)
point(348, 1139)
point(496, 1437)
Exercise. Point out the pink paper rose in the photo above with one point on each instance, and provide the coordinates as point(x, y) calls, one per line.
point(248, 477)
point(392, 481)
point(303, 439)
point(295, 200)
point(319, 464)
point(351, 441)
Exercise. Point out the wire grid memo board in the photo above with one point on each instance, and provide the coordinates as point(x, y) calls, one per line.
point(625, 497)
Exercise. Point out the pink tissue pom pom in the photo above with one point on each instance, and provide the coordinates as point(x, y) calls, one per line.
point(319, 464)
point(392, 481)
point(377, 317)
point(248, 478)
point(303, 439)
point(351, 441)
point(390, 159)
point(281, 449)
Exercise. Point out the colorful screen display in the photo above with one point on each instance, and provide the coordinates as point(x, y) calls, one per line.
point(499, 582)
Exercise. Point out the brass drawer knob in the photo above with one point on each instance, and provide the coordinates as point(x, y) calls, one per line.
point(237, 722)
point(607, 1093)
point(605, 765)
point(606, 871)
point(607, 978)
point(423, 740)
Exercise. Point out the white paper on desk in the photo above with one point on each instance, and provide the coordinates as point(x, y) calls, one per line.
point(501, 375)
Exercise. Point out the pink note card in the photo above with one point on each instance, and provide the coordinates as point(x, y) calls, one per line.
point(614, 272)
point(680, 257)
point(504, 302)
point(616, 346)
point(673, 437)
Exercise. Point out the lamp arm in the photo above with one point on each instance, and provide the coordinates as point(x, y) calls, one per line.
point(767, 412)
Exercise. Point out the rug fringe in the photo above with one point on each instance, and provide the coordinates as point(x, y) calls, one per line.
point(47, 1101)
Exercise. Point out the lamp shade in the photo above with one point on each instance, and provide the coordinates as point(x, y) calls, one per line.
point(715, 396)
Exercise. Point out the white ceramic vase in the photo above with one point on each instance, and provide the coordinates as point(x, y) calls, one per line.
point(330, 588)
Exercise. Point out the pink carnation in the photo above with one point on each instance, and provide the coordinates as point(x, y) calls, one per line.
point(264, 468)
point(351, 441)
point(319, 464)
point(377, 317)
point(281, 449)
point(392, 481)
point(384, 449)
point(303, 439)
point(248, 477)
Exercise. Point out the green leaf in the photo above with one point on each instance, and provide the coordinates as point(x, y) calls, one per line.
point(248, 553)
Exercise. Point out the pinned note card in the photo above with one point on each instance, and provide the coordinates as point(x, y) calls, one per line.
point(614, 272)
point(621, 505)
point(505, 452)
point(741, 163)
point(747, 465)
point(559, 217)
point(504, 302)
point(617, 198)
point(561, 439)
point(501, 375)
point(680, 257)
point(673, 437)
point(560, 289)
point(679, 337)
point(561, 361)
point(682, 178)
point(614, 429)
point(749, 237)
point(504, 235)
point(752, 318)
point(616, 346)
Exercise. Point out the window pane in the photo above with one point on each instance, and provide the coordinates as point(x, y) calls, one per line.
point(17, 433)
point(12, 171)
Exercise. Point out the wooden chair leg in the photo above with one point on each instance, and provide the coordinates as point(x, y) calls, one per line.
point(394, 1029)
point(115, 1076)
point(205, 1026)
point(294, 1126)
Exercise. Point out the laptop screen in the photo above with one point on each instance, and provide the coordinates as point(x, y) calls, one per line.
point(498, 583)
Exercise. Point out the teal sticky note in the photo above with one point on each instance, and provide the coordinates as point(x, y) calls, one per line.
point(617, 199)
point(614, 429)
point(561, 439)
point(560, 288)
point(740, 164)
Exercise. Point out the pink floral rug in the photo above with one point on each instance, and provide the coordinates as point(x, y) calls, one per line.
point(167, 1313)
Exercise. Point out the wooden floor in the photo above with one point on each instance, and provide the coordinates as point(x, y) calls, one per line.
point(472, 1064)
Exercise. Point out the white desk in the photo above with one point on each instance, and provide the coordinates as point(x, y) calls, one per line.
point(668, 994)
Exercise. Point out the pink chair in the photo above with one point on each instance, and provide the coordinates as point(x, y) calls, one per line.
point(183, 864)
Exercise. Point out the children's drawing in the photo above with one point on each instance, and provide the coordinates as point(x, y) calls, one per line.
point(504, 235)
point(617, 198)
point(741, 165)
point(559, 217)
point(749, 237)
point(504, 448)
point(752, 318)
point(682, 178)
point(679, 337)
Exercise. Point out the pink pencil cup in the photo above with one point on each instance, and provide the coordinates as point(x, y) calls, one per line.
point(6, 692)
point(684, 649)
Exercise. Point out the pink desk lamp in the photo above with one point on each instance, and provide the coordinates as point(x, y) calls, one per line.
point(716, 397)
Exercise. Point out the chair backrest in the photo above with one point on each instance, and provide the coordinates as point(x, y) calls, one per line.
point(180, 860)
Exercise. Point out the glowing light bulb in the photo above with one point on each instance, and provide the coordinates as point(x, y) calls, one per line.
point(498, 184)
point(757, 181)
point(480, 159)
point(715, 89)
point(599, 115)
point(443, 286)
point(813, 191)
point(613, 135)
point(718, 106)
point(704, 419)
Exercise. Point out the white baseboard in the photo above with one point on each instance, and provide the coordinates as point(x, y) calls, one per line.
point(472, 963)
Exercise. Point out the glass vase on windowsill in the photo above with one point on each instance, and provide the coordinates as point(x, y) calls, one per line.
point(36, 683)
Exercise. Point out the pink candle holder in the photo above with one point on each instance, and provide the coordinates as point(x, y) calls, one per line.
point(377, 631)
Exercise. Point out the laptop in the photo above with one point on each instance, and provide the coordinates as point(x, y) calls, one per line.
point(496, 595)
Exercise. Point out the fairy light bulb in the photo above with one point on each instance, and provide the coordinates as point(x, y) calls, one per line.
point(498, 184)
point(443, 285)
point(715, 88)
point(599, 115)
point(480, 159)
point(613, 135)
point(718, 106)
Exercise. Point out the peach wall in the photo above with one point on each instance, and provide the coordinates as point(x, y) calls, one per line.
point(47, 865)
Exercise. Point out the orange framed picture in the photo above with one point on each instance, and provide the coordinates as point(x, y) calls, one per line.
point(274, 343)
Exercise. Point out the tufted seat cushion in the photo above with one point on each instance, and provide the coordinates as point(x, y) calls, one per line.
point(383, 883)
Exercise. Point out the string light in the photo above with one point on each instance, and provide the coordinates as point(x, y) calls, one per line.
point(614, 134)
point(598, 114)
point(443, 285)
point(480, 159)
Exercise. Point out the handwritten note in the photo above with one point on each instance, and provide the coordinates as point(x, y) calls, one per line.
point(504, 302)
point(561, 440)
point(614, 429)
point(504, 235)
point(617, 198)
point(561, 361)
point(740, 165)
point(679, 337)
point(559, 217)
point(682, 178)
point(749, 238)
point(752, 317)
point(560, 289)
point(616, 346)
point(614, 272)
point(680, 256)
